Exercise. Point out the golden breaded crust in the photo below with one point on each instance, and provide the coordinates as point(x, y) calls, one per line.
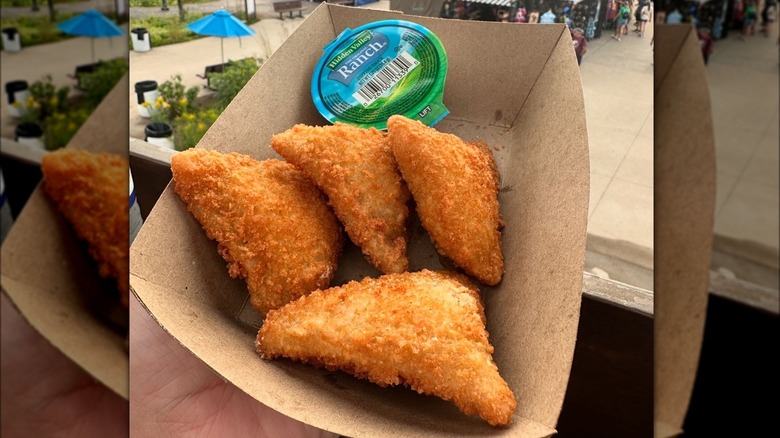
point(455, 186)
point(355, 168)
point(272, 225)
point(425, 329)
point(91, 191)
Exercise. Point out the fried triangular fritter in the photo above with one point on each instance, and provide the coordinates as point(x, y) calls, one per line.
point(272, 224)
point(91, 191)
point(356, 169)
point(425, 329)
point(455, 186)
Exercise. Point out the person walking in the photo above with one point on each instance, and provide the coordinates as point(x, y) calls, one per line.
point(635, 13)
point(580, 43)
point(624, 14)
point(446, 10)
point(705, 42)
point(533, 16)
point(644, 17)
point(749, 20)
point(768, 15)
point(674, 16)
point(547, 18)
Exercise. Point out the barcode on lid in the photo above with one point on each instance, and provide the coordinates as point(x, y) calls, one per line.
point(385, 78)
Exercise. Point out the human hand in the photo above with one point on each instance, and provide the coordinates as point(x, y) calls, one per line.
point(44, 393)
point(173, 393)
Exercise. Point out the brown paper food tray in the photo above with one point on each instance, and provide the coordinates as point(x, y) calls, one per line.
point(684, 214)
point(529, 108)
point(51, 278)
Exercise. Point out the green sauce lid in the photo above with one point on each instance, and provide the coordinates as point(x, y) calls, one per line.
point(378, 70)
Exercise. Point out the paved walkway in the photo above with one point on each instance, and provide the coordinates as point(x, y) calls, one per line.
point(743, 78)
point(617, 81)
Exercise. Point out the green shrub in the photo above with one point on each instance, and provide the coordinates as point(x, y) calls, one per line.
point(38, 29)
point(45, 99)
point(60, 127)
point(175, 99)
point(168, 29)
point(100, 82)
point(172, 4)
point(15, 3)
point(189, 128)
point(148, 3)
point(51, 98)
point(42, 4)
point(232, 80)
point(62, 116)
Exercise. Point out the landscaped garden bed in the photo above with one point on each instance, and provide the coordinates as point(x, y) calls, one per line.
point(58, 112)
point(169, 28)
point(40, 29)
point(191, 116)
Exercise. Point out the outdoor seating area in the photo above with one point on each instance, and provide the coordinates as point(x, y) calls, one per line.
point(81, 70)
point(209, 70)
point(289, 7)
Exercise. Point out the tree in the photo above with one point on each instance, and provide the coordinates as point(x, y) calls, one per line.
point(181, 10)
point(52, 12)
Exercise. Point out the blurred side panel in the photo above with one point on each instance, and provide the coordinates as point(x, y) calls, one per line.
point(684, 210)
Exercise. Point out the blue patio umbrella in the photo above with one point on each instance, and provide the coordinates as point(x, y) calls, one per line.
point(221, 24)
point(91, 24)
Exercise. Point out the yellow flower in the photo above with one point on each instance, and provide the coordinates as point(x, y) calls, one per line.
point(201, 126)
point(72, 126)
point(166, 105)
point(17, 104)
point(53, 101)
point(183, 101)
point(30, 100)
point(145, 104)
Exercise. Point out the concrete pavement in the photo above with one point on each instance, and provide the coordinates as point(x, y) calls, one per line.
point(744, 76)
point(617, 82)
